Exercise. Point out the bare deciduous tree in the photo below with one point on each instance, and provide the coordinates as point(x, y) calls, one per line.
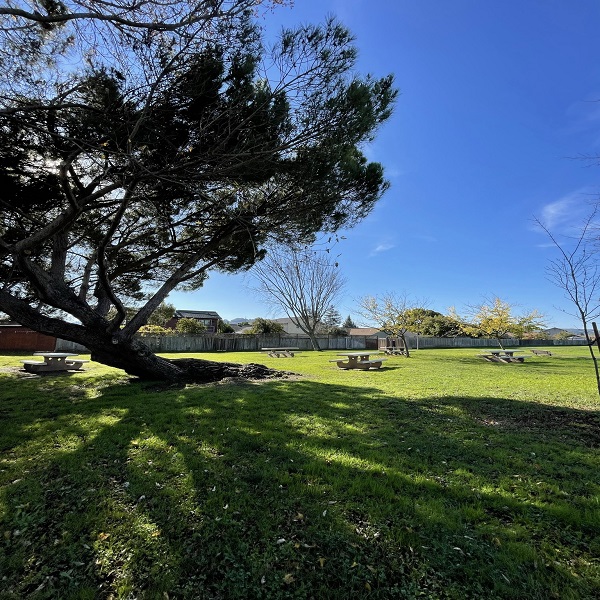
point(301, 282)
point(576, 272)
point(392, 313)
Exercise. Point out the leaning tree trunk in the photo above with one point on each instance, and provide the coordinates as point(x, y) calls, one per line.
point(136, 359)
point(130, 354)
point(402, 336)
point(314, 341)
point(590, 344)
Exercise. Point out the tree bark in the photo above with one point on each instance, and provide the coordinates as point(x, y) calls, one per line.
point(136, 359)
point(313, 340)
point(130, 354)
point(402, 336)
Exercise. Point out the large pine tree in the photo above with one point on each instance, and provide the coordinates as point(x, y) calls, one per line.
point(142, 148)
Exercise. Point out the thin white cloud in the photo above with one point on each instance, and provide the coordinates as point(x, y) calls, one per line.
point(381, 248)
point(557, 212)
point(569, 211)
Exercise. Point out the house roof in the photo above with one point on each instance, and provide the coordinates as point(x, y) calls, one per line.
point(364, 331)
point(196, 314)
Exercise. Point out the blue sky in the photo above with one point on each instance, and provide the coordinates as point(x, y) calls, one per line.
point(497, 102)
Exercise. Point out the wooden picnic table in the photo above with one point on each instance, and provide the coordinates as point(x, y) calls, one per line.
point(53, 362)
point(541, 352)
point(287, 351)
point(509, 352)
point(358, 360)
point(393, 350)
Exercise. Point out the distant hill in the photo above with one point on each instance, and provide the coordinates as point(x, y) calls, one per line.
point(239, 320)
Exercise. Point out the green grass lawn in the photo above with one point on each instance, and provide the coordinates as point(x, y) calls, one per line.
point(438, 476)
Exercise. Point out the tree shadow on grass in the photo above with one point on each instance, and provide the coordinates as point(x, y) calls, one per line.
point(297, 489)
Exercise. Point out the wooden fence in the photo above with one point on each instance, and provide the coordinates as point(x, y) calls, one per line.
point(15, 338)
point(463, 342)
point(230, 342)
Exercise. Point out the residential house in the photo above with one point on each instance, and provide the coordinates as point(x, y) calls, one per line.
point(370, 332)
point(289, 325)
point(208, 318)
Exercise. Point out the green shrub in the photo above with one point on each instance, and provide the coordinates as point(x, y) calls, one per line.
point(189, 326)
point(266, 326)
point(154, 330)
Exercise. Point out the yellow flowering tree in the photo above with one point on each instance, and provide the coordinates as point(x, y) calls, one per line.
point(497, 319)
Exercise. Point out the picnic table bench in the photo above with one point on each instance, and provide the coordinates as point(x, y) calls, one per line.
point(53, 362)
point(542, 352)
point(357, 360)
point(278, 352)
point(393, 350)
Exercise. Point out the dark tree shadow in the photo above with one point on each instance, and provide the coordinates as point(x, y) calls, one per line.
point(295, 490)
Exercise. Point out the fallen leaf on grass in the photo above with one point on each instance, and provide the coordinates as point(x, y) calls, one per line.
point(288, 578)
point(321, 562)
point(103, 536)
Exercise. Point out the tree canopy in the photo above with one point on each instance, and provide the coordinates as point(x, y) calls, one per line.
point(162, 315)
point(143, 145)
point(394, 314)
point(187, 325)
point(331, 319)
point(348, 323)
point(424, 321)
point(262, 326)
point(301, 281)
point(497, 319)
